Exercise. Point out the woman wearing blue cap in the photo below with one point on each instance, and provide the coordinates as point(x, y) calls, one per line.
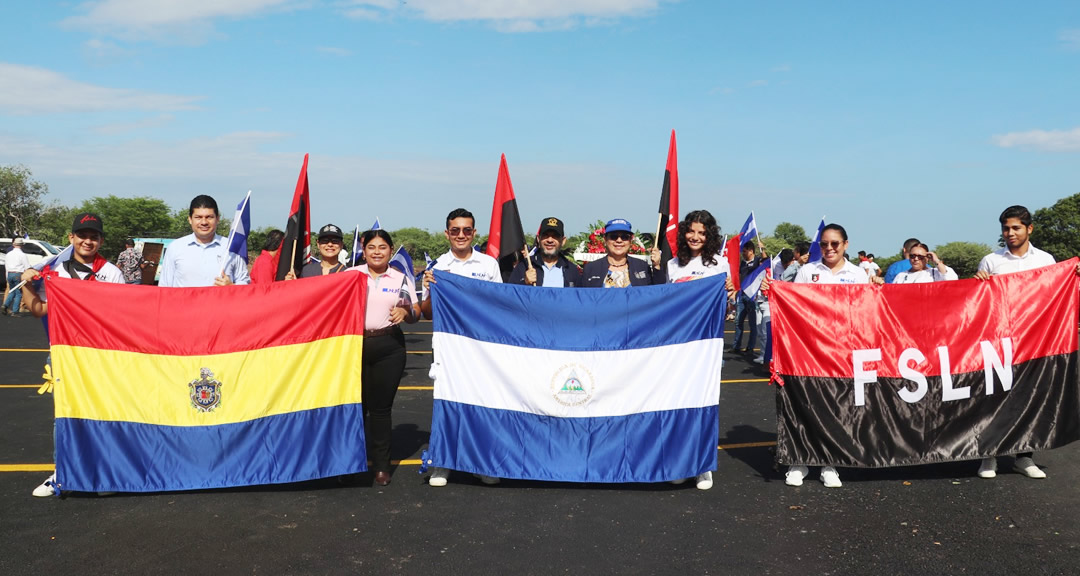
point(618, 270)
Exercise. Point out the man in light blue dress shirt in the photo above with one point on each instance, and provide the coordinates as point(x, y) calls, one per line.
point(202, 258)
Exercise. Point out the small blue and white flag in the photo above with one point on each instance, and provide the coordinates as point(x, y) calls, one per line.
point(403, 262)
point(357, 255)
point(55, 260)
point(428, 262)
point(376, 225)
point(749, 229)
point(815, 246)
point(241, 226)
point(751, 285)
point(576, 385)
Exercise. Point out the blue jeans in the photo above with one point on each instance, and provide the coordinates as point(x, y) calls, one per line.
point(745, 308)
point(13, 279)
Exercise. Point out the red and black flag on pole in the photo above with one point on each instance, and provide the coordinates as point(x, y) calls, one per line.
point(873, 376)
point(667, 235)
point(296, 246)
point(506, 238)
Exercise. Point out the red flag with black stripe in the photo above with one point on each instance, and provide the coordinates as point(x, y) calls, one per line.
point(506, 237)
point(668, 240)
point(905, 374)
point(296, 246)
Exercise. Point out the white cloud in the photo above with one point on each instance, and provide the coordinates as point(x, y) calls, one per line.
point(758, 83)
point(510, 15)
point(126, 127)
point(185, 20)
point(1043, 140)
point(29, 90)
point(1070, 39)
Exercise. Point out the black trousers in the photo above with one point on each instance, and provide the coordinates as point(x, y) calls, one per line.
point(383, 365)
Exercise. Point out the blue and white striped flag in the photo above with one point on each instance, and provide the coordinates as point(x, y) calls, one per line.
point(241, 226)
point(577, 385)
point(376, 225)
point(403, 262)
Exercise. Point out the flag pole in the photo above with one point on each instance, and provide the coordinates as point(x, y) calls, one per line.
point(292, 256)
point(659, 222)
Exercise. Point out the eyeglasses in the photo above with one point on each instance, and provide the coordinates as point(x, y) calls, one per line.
point(329, 241)
point(917, 256)
point(460, 232)
point(623, 236)
point(833, 244)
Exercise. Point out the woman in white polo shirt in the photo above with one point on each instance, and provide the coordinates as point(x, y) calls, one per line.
point(389, 303)
point(833, 268)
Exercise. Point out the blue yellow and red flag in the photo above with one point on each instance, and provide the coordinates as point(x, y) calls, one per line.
point(192, 388)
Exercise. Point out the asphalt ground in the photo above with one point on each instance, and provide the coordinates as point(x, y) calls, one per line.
point(938, 519)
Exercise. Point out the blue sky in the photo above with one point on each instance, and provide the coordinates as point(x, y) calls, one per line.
point(916, 118)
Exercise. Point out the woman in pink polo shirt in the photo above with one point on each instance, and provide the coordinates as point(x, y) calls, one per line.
point(389, 303)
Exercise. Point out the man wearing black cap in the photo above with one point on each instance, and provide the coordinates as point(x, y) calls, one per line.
point(549, 266)
point(330, 242)
point(85, 264)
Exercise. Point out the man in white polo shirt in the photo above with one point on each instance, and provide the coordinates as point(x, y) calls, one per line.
point(461, 260)
point(1018, 255)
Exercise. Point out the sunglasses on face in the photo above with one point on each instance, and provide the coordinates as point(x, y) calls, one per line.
point(623, 236)
point(329, 241)
point(835, 244)
point(460, 232)
point(917, 256)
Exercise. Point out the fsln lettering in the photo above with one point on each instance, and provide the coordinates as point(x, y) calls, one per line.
point(993, 365)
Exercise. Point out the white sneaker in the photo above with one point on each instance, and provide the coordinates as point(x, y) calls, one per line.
point(704, 480)
point(1027, 467)
point(47, 487)
point(795, 475)
point(988, 468)
point(489, 480)
point(678, 481)
point(830, 477)
point(759, 359)
point(438, 477)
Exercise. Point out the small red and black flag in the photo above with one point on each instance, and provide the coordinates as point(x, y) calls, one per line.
point(668, 238)
point(296, 246)
point(506, 237)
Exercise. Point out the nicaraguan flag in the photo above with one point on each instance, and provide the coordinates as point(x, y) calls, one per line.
point(376, 225)
point(245, 398)
point(577, 385)
point(749, 229)
point(54, 262)
point(815, 246)
point(403, 262)
point(428, 262)
point(751, 285)
point(241, 226)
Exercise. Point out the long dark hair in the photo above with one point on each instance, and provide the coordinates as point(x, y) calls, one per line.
point(712, 238)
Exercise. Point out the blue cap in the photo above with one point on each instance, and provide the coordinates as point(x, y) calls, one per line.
point(617, 225)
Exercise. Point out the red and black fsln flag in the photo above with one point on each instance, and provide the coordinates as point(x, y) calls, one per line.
point(669, 206)
point(506, 237)
point(873, 376)
point(297, 230)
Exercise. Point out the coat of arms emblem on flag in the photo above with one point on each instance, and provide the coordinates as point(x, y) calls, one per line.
point(205, 391)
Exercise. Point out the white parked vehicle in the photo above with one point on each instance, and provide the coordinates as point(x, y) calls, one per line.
point(36, 250)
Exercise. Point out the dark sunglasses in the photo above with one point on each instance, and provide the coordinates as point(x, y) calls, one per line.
point(460, 231)
point(624, 236)
point(917, 256)
point(329, 241)
point(834, 244)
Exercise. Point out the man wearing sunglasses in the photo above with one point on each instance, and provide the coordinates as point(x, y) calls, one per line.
point(901, 265)
point(921, 272)
point(618, 269)
point(461, 260)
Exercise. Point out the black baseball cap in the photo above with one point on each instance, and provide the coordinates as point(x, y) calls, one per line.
point(331, 231)
point(87, 221)
point(549, 224)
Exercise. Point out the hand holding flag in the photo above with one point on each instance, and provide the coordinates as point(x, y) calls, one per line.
point(238, 234)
